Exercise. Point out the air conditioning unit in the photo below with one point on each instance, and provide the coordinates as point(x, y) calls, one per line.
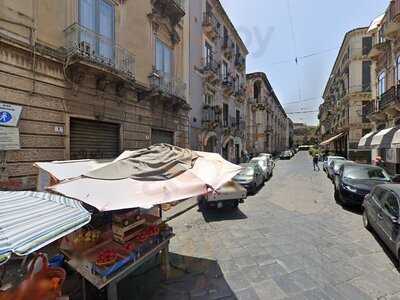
point(84, 48)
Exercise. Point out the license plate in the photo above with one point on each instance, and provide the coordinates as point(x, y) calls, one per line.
point(219, 205)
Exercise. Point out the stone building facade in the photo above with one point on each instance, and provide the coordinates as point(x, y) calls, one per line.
point(217, 66)
point(267, 122)
point(93, 77)
point(384, 111)
point(343, 116)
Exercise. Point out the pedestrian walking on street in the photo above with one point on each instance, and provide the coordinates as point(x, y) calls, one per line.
point(315, 162)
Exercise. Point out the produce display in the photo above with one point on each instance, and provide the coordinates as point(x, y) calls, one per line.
point(88, 239)
point(150, 231)
point(107, 258)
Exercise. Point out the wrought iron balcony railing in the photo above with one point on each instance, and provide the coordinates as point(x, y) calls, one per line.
point(211, 22)
point(211, 65)
point(98, 49)
point(168, 84)
point(387, 97)
point(209, 114)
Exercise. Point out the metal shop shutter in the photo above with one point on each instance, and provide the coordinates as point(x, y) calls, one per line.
point(162, 136)
point(93, 139)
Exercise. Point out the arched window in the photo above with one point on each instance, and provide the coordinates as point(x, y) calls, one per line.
point(381, 83)
point(256, 91)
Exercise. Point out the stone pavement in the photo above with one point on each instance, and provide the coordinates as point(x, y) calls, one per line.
point(289, 241)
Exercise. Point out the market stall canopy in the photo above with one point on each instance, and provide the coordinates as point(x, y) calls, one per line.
point(365, 141)
point(144, 178)
point(32, 220)
point(331, 140)
point(383, 139)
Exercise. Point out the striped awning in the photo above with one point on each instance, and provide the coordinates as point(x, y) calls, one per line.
point(383, 139)
point(365, 141)
point(331, 140)
point(32, 220)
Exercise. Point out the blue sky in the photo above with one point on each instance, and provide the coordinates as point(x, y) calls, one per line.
point(318, 27)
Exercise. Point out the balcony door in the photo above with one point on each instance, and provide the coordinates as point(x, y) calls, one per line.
point(163, 60)
point(97, 19)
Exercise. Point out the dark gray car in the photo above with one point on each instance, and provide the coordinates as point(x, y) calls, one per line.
point(381, 213)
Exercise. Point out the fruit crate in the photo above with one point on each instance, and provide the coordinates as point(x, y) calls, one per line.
point(124, 257)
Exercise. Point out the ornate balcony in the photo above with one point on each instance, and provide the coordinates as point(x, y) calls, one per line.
point(228, 85)
point(211, 70)
point(240, 62)
point(377, 49)
point(167, 85)
point(211, 116)
point(388, 98)
point(172, 9)
point(228, 47)
point(373, 113)
point(86, 47)
point(210, 25)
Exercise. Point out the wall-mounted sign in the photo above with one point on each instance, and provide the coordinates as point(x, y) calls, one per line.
point(9, 138)
point(9, 114)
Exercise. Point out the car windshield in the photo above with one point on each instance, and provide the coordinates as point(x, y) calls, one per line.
point(337, 164)
point(248, 171)
point(362, 172)
point(330, 159)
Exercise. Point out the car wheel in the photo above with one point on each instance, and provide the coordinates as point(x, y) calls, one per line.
point(337, 196)
point(366, 220)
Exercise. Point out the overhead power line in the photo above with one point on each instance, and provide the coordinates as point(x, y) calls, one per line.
point(299, 58)
point(302, 112)
point(300, 101)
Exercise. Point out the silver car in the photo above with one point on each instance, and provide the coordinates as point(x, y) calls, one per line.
point(264, 164)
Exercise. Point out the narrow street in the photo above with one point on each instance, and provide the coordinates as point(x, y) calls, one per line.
point(289, 241)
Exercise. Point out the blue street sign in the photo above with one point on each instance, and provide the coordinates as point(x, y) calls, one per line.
point(5, 117)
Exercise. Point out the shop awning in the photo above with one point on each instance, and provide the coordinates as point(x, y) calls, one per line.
point(365, 141)
point(32, 220)
point(396, 139)
point(383, 139)
point(331, 140)
point(144, 178)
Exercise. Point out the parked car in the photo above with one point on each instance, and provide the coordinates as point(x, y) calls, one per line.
point(264, 164)
point(334, 166)
point(267, 155)
point(250, 177)
point(328, 161)
point(381, 213)
point(228, 195)
point(286, 155)
point(355, 181)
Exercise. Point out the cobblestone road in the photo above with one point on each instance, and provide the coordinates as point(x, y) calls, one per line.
point(290, 241)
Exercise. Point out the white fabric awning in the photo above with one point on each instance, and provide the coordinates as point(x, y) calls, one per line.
point(396, 139)
point(332, 139)
point(366, 140)
point(378, 139)
point(32, 220)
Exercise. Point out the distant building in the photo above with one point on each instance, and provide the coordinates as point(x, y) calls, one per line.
point(266, 119)
point(304, 134)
